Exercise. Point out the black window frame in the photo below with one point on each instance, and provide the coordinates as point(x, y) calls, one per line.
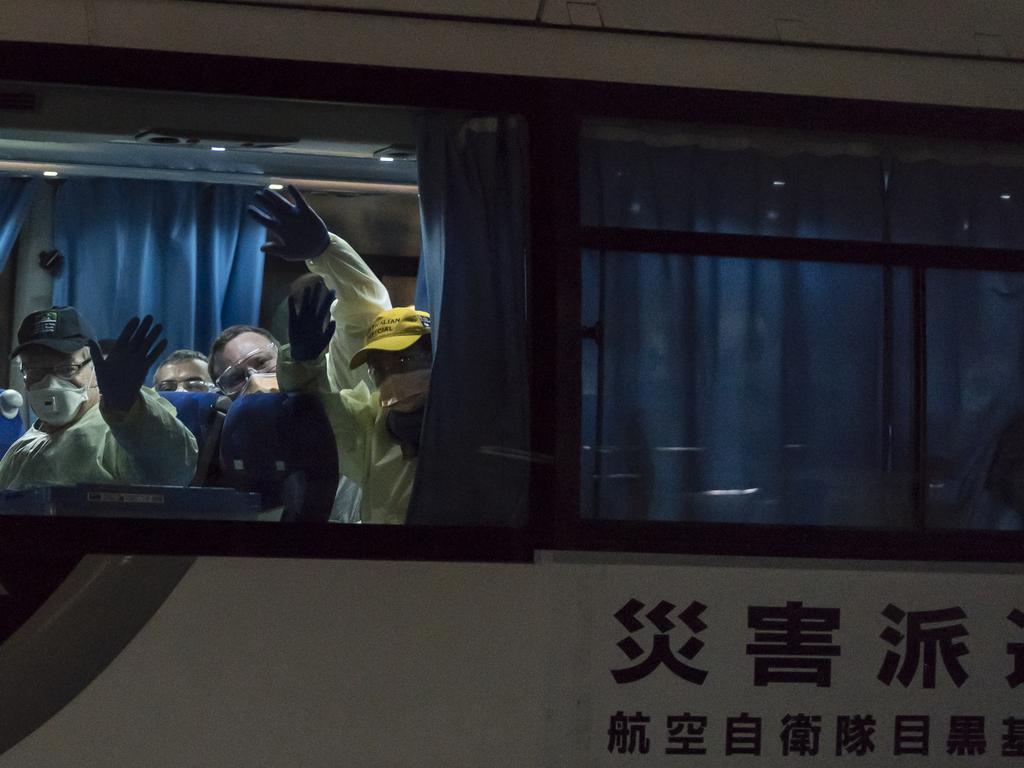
point(554, 111)
point(818, 114)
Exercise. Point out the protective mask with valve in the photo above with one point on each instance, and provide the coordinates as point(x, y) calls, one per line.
point(56, 401)
point(260, 382)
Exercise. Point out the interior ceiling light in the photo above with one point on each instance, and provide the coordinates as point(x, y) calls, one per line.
point(49, 173)
point(393, 152)
point(275, 186)
point(218, 149)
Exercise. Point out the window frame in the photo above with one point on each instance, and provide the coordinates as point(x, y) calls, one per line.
point(770, 111)
point(554, 111)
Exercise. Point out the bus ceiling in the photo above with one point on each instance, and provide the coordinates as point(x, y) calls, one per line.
point(58, 130)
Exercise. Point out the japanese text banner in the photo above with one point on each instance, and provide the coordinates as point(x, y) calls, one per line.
point(729, 665)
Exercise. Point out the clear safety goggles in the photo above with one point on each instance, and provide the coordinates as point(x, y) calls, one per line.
point(194, 384)
point(260, 360)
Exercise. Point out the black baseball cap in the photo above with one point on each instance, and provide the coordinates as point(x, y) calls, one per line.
point(60, 328)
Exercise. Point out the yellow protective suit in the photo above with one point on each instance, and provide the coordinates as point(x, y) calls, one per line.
point(145, 445)
point(367, 453)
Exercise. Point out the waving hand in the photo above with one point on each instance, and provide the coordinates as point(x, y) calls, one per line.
point(296, 232)
point(120, 375)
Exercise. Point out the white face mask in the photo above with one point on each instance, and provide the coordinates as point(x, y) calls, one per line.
point(55, 401)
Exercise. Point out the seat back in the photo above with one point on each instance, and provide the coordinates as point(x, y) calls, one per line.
point(195, 410)
point(281, 446)
point(203, 414)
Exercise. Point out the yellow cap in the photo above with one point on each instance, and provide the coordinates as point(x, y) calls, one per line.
point(392, 331)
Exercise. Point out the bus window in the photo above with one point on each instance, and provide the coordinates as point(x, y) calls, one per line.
point(975, 353)
point(975, 349)
point(144, 208)
point(667, 177)
point(741, 390)
point(854, 379)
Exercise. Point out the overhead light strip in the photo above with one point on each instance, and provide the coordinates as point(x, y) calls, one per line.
point(26, 168)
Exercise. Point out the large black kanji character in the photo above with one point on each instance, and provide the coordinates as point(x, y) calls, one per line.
point(853, 734)
point(1016, 677)
point(628, 733)
point(929, 641)
point(792, 643)
point(661, 649)
point(966, 735)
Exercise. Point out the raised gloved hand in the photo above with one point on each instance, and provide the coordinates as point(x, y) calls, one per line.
point(296, 232)
point(120, 375)
point(310, 326)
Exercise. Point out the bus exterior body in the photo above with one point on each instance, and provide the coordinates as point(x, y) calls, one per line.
point(586, 632)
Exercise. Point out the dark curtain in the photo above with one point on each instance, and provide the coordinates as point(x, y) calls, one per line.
point(732, 389)
point(975, 334)
point(473, 461)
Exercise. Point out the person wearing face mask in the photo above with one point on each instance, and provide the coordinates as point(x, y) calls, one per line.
point(96, 422)
point(398, 357)
point(371, 362)
point(377, 430)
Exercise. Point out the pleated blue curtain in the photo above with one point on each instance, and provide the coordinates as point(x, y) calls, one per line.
point(975, 329)
point(473, 465)
point(184, 252)
point(15, 197)
point(732, 389)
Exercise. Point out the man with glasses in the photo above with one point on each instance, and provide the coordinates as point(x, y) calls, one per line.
point(96, 422)
point(184, 370)
point(243, 359)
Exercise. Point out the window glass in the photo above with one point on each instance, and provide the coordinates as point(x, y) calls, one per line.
point(975, 368)
point(143, 208)
point(752, 390)
point(731, 180)
point(965, 204)
point(660, 176)
point(739, 390)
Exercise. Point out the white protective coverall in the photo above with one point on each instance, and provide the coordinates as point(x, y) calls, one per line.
point(367, 453)
point(145, 445)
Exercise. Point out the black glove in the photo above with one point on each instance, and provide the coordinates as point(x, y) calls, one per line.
point(310, 327)
point(120, 375)
point(296, 232)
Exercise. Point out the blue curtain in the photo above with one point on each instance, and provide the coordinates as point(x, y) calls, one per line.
point(185, 253)
point(975, 330)
point(741, 390)
point(15, 197)
point(473, 465)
